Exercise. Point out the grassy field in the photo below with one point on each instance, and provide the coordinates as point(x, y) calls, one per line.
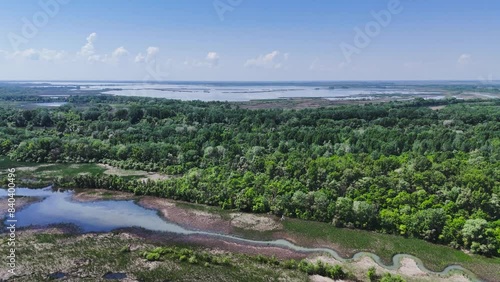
point(40, 175)
point(91, 257)
point(348, 242)
point(36, 175)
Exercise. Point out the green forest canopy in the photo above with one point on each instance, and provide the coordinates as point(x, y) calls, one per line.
point(398, 168)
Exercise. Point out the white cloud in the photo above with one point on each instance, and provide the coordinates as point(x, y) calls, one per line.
point(114, 57)
point(464, 59)
point(35, 55)
point(151, 54)
point(30, 54)
point(88, 49)
point(52, 55)
point(271, 60)
point(195, 63)
point(119, 52)
point(96, 58)
point(213, 58)
point(140, 58)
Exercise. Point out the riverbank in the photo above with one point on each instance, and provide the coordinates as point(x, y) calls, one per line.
point(199, 217)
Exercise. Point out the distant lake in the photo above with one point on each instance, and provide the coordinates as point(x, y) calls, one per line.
point(246, 91)
point(50, 104)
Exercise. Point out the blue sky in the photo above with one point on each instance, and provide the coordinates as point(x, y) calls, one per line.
point(249, 40)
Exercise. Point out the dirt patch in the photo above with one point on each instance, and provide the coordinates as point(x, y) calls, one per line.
point(319, 278)
point(366, 263)
point(410, 268)
point(192, 219)
point(436, 108)
point(101, 194)
point(187, 217)
point(111, 170)
point(155, 177)
point(254, 222)
point(324, 259)
point(32, 168)
point(456, 278)
point(152, 176)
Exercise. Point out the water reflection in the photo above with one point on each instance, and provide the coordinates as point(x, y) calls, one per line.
point(101, 216)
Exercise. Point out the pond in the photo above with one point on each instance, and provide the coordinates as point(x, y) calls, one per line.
point(50, 104)
point(58, 207)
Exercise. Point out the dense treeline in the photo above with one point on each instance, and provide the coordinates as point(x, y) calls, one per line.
point(399, 168)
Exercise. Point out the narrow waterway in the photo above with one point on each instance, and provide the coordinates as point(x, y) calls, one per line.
point(57, 207)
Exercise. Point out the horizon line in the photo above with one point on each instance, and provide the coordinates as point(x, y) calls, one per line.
point(266, 81)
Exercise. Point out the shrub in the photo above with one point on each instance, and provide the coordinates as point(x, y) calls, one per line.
point(336, 272)
point(372, 274)
point(152, 256)
point(390, 278)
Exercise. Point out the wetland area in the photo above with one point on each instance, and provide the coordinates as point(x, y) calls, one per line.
point(121, 220)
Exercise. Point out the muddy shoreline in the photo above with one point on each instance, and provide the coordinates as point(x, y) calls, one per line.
point(194, 219)
point(224, 222)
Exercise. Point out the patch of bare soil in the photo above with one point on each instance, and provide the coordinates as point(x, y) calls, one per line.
point(111, 170)
point(456, 278)
point(410, 268)
point(324, 259)
point(436, 108)
point(190, 218)
point(155, 177)
point(254, 222)
point(319, 278)
point(193, 219)
point(32, 168)
point(101, 194)
point(152, 176)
